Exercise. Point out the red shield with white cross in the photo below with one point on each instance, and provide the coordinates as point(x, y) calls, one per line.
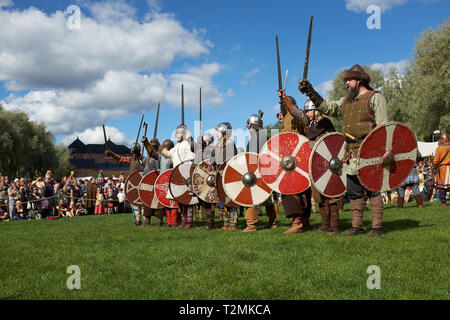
point(132, 188)
point(242, 181)
point(284, 161)
point(180, 183)
point(147, 190)
point(325, 165)
point(221, 191)
point(386, 157)
point(204, 182)
point(162, 190)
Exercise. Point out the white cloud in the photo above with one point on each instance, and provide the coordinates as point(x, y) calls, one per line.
point(249, 75)
point(154, 5)
point(78, 79)
point(361, 5)
point(325, 87)
point(95, 136)
point(399, 66)
point(39, 51)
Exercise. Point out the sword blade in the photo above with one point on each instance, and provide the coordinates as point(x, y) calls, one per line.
point(285, 79)
point(156, 123)
point(308, 47)
point(106, 140)
point(139, 131)
point(280, 83)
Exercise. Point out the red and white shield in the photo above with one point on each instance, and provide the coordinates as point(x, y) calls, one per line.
point(242, 181)
point(283, 163)
point(132, 188)
point(386, 157)
point(204, 182)
point(180, 183)
point(226, 200)
point(162, 190)
point(325, 165)
point(147, 190)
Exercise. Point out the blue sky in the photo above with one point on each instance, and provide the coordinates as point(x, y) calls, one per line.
point(128, 55)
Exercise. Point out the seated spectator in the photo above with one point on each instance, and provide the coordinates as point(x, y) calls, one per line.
point(81, 210)
point(18, 213)
point(72, 209)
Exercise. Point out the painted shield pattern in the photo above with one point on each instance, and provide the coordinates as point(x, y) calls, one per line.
point(147, 190)
point(325, 165)
point(162, 189)
point(132, 188)
point(242, 181)
point(204, 182)
point(386, 157)
point(284, 163)
point(221, 191)
point(180, 183)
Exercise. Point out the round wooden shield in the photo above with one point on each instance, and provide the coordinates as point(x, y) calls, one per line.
point(204, 182)
point(386, 157)
point(226, 200)
point(132, 188)
point(162, 189)
point(242, 181)
point(284, 161)
point(325, 165)
point(180, 183)
point(147, 190)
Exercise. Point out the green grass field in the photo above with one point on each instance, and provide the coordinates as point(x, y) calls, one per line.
point(120, 261)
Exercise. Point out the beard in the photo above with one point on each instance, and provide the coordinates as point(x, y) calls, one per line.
point(351, 94)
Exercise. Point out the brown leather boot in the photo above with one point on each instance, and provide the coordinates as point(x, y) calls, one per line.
point(296, 228)
point(334, 219)
point(146, 222)
point(209, 220)
point(272, 217)
point(419, 200)
point(377, 208)
point(325, 226)
point(251, 217)
point(400, 202)
point(354, 232)
point(376, 233)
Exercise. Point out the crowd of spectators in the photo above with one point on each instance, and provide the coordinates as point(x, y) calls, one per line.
point(45, 197)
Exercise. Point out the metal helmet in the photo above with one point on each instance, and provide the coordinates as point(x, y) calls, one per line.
point(184, 131)
point(208, 137)
point(255, 120)
point(135, 148)
point(309, 105)
point(224, 127)
point(168, 144)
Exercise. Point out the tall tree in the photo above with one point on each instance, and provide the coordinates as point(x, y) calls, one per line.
point(423, 102)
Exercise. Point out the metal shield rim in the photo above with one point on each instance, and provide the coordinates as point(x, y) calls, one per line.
point(276, 189)
point(223, 180)
point(194, 197)
point(396, 123)
point(161, 173)
point(310, 163)
point(139, 189)
point(137, 204)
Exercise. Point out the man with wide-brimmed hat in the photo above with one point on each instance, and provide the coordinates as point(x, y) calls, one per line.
point(361, 109)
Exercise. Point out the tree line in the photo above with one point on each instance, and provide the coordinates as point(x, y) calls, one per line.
point(28, 149)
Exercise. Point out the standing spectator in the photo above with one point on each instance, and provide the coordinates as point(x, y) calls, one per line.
point(442, 164)
point(13, 196)
point(110, 201)
point(3, 196)
point(99, 202)
point(35, 204)
point(91, 194)
point(121, 199)
point(429, 184)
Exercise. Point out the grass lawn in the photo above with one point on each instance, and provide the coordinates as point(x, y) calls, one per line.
point(120, 261)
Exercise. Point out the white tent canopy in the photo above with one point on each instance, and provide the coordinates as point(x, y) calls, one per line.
point(427, 148)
